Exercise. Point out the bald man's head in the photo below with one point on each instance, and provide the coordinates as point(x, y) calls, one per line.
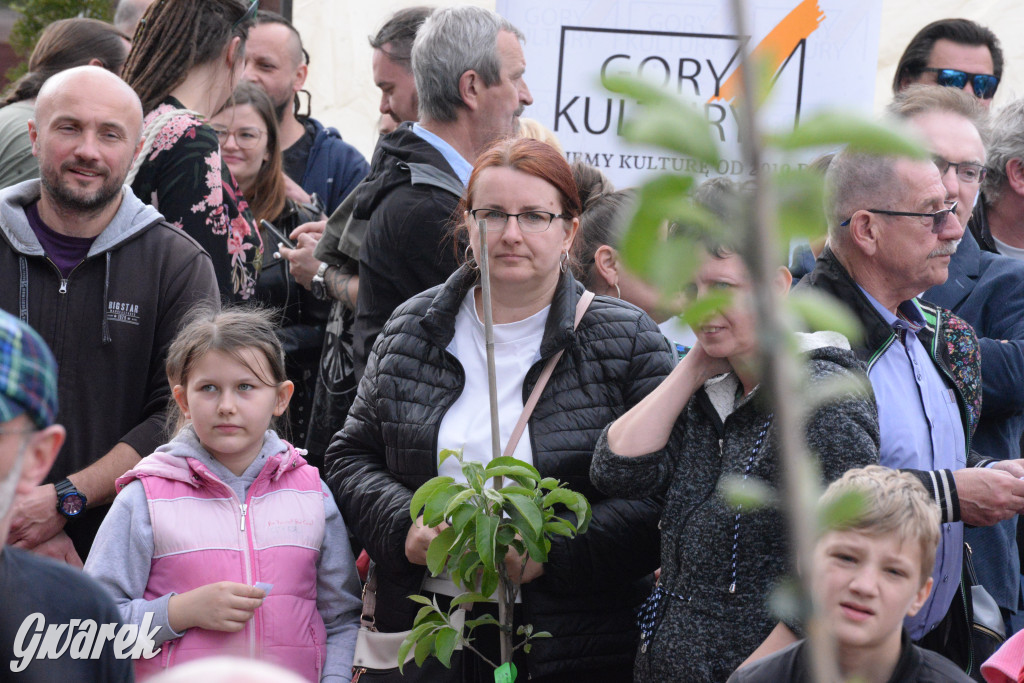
point(86, 131)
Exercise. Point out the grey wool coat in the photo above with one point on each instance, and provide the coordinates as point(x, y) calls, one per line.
point(705, 630)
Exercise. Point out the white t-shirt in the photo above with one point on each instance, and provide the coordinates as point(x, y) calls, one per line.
point(467, 424)
point(1007, 250)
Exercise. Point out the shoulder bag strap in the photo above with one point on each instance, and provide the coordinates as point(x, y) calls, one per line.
point(549, 368)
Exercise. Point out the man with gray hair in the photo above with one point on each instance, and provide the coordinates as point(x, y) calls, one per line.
point(468, 64)
point(997, 218)
point(891, 236)
point(986, 290)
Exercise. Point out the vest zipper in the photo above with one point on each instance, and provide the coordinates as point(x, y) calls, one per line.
point(243, 506)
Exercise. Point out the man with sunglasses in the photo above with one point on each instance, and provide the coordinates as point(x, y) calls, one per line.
point(987, 290)
point(892, 234)
point(957, 53)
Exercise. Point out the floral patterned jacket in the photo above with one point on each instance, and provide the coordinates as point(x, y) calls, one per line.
point(185, 179)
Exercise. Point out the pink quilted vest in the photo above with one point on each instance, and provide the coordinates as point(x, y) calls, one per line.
point(203, 534)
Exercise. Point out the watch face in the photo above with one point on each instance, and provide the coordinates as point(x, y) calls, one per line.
point(72, 505)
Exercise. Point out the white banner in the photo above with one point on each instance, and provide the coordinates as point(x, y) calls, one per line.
point(821, 52)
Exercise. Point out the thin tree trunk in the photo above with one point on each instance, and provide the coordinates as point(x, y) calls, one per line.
point(504, 608)
point(780, 371)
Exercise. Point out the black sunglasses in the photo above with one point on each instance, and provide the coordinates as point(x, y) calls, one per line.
point(938, 217)
point(984, 84)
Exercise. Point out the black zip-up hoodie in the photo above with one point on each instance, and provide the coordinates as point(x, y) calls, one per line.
point(109, 324)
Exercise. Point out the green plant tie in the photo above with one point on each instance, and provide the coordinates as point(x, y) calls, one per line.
point(506, 673)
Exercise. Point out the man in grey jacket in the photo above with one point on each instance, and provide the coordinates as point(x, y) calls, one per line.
point(105, 280)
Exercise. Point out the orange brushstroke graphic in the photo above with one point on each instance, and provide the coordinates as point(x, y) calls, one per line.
point(778, 44)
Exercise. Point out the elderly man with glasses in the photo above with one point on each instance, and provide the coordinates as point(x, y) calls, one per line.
point(987, 290)
point(893, 229)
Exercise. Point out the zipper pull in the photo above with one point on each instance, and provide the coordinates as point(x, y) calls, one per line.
point(243, 506)
point(732, 587)
point(63, 286)
point(721, 444)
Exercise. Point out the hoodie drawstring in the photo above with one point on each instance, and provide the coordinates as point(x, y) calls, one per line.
point(23, 288)
point(106, 303)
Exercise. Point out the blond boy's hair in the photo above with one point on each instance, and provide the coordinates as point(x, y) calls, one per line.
point(895, 503)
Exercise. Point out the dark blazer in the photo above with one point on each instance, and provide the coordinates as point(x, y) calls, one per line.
point(987, 290)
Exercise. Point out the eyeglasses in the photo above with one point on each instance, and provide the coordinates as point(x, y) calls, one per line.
point(246, 138)
point(984, 84)
point(938, 218)
point(248, 16)
point(529, 221)
point(967, 171)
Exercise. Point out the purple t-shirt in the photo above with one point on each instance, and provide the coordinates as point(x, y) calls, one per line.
point(65, 251)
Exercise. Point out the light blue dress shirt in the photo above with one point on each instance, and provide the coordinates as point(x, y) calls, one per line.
point(921, 429)
point(462, 168)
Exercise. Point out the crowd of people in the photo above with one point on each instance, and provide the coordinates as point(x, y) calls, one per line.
point(231, 350)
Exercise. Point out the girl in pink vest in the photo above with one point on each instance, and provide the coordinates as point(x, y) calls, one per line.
point(225, 536)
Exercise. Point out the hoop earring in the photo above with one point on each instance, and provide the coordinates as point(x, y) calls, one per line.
point(470, 260)
point(563, 261)
point(618, 292)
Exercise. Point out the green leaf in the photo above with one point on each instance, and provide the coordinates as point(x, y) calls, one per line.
point(548, 483)
point(537, 548)
point(474, 473)
point(449, 453)
point(424, 647)
point(820, 311)
point(800, 198)
point(749, 494)
point(843, 510)
point(457, 500)
point(488, 581)
point(437, 551)
point(706, 307)
point(468, 564)
point(836, 128)
point(507, 466)
point(506, 535)
point(486, 531)
point(559, 527)
point(665, 120)
point(419, 498)
point(433, 510)
point(447, 639)
point(422, 599)
point(423, 615)
point(484, 619)
point(541, 634)
point(528, 509)
point(403, 650)
point(464, 598)
point(462, 518)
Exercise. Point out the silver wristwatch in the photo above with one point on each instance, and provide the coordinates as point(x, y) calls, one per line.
point(318, 287)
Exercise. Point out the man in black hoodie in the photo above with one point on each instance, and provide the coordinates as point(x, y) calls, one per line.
point(105, 281)
point(468, 64)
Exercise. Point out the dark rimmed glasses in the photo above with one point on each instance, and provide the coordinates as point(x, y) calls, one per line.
point(529, 221)
point(984, 84)
point(938, 218)
point(967, 171)
point(245, 138)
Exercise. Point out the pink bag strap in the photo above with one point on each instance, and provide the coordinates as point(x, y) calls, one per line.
point(549, 368)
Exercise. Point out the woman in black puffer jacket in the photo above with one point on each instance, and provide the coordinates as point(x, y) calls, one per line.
point(587, 593)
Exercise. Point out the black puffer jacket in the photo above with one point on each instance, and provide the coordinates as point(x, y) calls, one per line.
point(592, 585)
